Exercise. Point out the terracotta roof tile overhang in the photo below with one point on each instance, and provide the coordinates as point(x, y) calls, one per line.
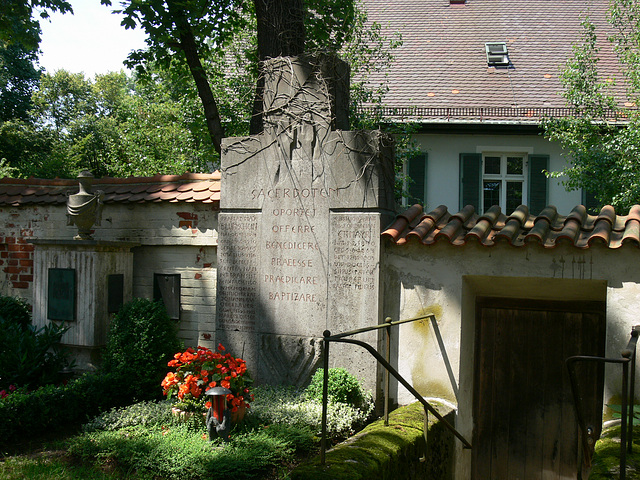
point(189, 187)
point(520, 228)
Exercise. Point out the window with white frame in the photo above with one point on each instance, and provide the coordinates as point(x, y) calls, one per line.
point(504, 181)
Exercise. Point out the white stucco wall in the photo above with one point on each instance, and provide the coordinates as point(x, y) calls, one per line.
point(444, 280)
point(443, 178)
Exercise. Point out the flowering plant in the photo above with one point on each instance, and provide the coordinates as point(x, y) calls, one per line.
point(198, 370)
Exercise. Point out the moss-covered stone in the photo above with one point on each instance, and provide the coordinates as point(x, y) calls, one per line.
point(397, 451)
point(606, 460)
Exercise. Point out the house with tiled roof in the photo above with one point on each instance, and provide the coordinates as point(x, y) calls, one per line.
point(477, 77)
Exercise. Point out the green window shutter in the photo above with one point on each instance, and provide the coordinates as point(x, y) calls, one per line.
point(538, 183)
point(470, 179)
point(591, 203)
point(417, 172)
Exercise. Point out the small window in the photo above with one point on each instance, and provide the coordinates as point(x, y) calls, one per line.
point(166, 287)
point(61, 294)
point(115, 292)
point(497, 54)
point(503, 181)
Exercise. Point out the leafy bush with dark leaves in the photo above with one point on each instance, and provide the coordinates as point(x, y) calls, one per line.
point(31, 357)
point(342, 387)
point(16, 310)
point(141, 340)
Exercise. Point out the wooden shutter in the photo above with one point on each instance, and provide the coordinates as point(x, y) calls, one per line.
point(417, 172)
point(538, 184)
point(470, 179)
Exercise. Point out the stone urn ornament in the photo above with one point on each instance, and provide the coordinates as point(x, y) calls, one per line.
point(84, 209)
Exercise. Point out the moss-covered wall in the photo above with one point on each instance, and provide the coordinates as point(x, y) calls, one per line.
point(395, 452)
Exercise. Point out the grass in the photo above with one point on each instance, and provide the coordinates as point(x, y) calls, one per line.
point(144, 441)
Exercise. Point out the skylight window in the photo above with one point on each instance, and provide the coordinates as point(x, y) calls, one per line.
point(497, 54)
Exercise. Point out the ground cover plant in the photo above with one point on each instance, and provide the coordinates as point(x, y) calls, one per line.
point(35, 400)
point(147, 441)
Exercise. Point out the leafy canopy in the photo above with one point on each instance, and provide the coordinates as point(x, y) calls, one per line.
point(602, 140)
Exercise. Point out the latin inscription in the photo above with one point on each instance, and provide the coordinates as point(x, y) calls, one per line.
point(292, 249)
point(237, 270)
point(354, 262)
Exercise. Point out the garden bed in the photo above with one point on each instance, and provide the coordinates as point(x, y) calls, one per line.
point(146, 441)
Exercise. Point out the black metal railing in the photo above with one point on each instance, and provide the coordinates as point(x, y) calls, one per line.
point(487, 113)
point(627, 358)
point(385, 362)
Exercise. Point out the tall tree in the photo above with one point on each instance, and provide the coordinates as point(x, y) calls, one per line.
point(19, 22)
point(602, 139)
point(192, 28)
point(280, 33)
point(18, 79)
point(195, 29)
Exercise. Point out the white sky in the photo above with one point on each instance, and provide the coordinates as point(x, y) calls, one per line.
point(89, 41)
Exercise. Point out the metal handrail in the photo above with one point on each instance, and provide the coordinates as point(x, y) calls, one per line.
point(628, 355)
point(340, 338)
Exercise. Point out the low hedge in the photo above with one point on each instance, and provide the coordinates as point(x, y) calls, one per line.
point(29, 415)
point(394, 452)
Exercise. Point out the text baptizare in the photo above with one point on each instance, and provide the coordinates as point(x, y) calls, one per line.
point(293, 296)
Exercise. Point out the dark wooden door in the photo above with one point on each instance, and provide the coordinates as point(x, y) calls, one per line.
point(524, 420)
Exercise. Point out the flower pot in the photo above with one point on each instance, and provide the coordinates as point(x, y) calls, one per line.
point(238, 416)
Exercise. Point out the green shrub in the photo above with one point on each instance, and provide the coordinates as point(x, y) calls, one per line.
point(27, 414)
point(342, 387)
point(29, 356)
point(141, 340)
point(289, 406)
point(15, 310)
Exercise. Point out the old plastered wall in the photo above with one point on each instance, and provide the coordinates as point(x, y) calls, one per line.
point(175, 238)
point(445, 280)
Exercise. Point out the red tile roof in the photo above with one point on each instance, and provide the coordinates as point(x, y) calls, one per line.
point(190, 187)
point(442, 66)
point(520, 228)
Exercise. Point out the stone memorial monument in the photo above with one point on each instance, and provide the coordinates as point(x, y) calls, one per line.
point(81, 282)
point(302, 206)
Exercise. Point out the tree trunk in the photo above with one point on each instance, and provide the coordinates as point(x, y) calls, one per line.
point(280, 25)
point(190, 49)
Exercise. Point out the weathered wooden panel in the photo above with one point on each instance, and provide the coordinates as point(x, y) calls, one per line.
point(524, 418)
point(92, 264)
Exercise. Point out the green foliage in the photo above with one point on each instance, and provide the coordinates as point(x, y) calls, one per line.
point(18, 79)
point(617, 411)
point(145, 439)
point(176, 452)
point(17, 22)
point(30, 356)
point(146, 413)
point(27, 414)
point(111, 126)
point(16, 310)
point(601, 150)
point(141, 340)
point(342, 387)
point(282, 405)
